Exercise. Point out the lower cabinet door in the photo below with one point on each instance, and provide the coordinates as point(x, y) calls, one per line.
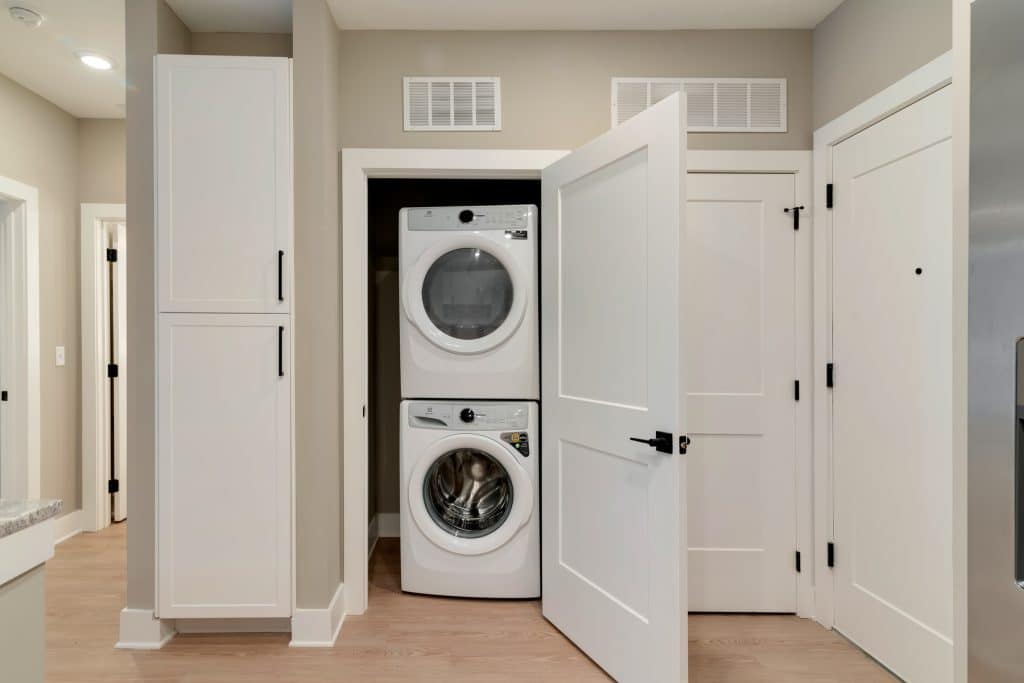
point(224, 466)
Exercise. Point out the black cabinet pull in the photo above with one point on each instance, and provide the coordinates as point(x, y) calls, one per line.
point(280, 350)
point(280, 275)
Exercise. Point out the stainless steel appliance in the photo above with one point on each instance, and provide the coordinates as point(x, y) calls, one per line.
point(996, 353)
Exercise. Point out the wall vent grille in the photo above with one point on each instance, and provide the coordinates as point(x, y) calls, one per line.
point(714, 105)
point(462, 103)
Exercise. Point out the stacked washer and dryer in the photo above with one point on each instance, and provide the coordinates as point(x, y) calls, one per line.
point(470, 376)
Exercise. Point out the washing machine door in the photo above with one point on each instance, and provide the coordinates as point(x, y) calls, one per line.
point(467, 294)
point(469, 495)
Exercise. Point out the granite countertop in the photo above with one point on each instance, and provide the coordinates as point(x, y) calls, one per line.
point(16, 515)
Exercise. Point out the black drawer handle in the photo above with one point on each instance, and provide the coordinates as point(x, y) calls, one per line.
point(280, 275)
point(280, 350)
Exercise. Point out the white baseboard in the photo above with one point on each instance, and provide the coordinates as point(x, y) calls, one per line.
point(319, 627)
point(140, 630)
point(68, 525)
point(388, 524)
point(269, 625)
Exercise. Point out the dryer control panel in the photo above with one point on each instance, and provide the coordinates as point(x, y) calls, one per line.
point(516, 220)
point(477, 417)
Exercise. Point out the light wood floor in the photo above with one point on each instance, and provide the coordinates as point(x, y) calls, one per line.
point(403, 638)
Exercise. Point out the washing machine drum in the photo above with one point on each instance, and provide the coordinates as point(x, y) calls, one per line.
point(468, 493)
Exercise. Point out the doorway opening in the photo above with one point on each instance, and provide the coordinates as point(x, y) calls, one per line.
point(19, 340)
point(386, 198)
point(104, 365)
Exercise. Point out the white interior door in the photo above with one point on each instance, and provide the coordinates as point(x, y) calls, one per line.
point(614, 533)
point(892, 400)
point(224, 466)
point(119, 313)
point(741, 410)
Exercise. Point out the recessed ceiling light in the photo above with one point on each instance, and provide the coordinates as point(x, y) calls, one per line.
point(95, 61)
point(25, 16)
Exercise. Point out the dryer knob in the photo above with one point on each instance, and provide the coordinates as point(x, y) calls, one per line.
point(467, 415)
point(466, 216)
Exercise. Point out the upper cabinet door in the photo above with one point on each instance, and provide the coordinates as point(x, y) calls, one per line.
point(223, 183)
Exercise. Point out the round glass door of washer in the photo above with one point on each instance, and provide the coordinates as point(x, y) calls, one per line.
point(468, 494)
point(467, 298)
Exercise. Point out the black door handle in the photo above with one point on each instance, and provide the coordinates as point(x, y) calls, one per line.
point(280, 351)
point(662, 442)
point(280, 275)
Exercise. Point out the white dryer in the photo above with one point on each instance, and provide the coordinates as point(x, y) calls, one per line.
point(470, 501)
point(468, 283)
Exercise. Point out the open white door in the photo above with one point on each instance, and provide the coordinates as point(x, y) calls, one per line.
point(614, 547)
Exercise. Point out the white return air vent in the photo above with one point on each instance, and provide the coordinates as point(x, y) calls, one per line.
point(452, 103)
point(714, 105)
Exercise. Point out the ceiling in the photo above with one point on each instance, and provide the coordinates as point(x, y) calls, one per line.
point(43, 59)
point(235, 16)
point(578, 14)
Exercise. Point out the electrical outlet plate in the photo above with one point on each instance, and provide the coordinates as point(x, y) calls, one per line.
point(60, 356)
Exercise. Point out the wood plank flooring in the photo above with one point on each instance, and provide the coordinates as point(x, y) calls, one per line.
point(403, 638)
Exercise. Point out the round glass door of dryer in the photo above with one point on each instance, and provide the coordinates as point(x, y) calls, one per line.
point(467, 293)
point(468, 493)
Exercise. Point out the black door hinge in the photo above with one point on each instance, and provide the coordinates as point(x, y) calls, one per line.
point(831, 559)
point(829, 196)
point(112, 370)
point(112, 255)
point(684, 443)
point(830, 375)
point(796, 390)
point(797, 561)
point(113, 486)
point(796, 216)
point(3, 395)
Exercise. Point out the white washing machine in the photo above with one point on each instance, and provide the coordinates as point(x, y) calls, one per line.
point(468, 283)
point(470, 500)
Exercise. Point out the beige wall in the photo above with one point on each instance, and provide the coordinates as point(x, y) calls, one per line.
point(39, 147)
point(556, 86)
point(250, 44)
point(101, 161)
point(318, 435)
point(866, 45)
point(151, 27)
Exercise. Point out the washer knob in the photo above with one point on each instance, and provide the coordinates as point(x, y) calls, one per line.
point(466, 216)
point(467, 415)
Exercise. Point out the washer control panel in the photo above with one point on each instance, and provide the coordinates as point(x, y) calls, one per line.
point(477, 417)
point(516, 220)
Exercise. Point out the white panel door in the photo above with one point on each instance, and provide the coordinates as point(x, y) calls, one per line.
point(614, 534)
point(892, 400)
point(741, 360)
point(224, 473)
point(224, 178)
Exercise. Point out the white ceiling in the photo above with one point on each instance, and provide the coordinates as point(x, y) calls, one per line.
point(235, 16)
point(540, 15)
point(43, 59)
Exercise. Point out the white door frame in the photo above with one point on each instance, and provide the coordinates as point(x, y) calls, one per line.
point(914, 87)
point(21, 474)
point(96, 514)
point(359, 165)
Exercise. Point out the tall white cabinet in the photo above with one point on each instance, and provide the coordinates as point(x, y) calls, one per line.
point(224, 387)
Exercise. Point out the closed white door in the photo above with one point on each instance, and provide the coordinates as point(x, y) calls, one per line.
point(892, 399)
point(224, 473)
point(224, 179)
point(614, 530)
point(741, 407)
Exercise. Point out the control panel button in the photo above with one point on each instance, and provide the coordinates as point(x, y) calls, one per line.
point(467, 415)
point(466, 216)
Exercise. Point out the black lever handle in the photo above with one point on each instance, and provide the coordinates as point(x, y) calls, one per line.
point(662, 442)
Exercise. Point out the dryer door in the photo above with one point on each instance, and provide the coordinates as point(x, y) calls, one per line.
point(469, 494)
point(467, 295)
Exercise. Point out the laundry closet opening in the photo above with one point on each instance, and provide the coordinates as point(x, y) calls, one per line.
point(385, 200)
